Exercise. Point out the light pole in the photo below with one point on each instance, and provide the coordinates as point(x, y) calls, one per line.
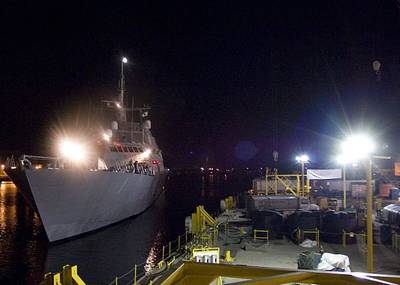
point(302, 159)
point(370, 231)
point(356, 148)
point(342, 160)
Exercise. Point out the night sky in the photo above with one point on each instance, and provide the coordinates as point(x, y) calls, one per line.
point(229, 81)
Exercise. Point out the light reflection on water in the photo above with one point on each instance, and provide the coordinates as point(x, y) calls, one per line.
point(22, 240)
point(25, 253)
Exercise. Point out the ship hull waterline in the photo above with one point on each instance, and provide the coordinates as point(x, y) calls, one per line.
point(71, 202)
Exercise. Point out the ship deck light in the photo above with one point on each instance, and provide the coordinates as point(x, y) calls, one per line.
point(72, 151)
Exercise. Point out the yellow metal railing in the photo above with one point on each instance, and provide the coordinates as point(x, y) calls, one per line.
point(261, 237)
point(300, 233)
point(165, 258)
point(290, 182)
point(352, 234)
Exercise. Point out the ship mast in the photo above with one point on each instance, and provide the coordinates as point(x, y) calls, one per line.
point(122, 90)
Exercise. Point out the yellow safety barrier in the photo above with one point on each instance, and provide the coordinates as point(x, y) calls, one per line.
point(352, 234)
point(206, 254)
point(290, 182)
point(262, 237)
point(68, 276)
point(300, 234)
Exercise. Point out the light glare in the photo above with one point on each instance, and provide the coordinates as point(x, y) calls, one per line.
point(145, 154)
point(357, 147)
point(72, 151)
point(124, 60)
point(302, 158)
point(106, 137)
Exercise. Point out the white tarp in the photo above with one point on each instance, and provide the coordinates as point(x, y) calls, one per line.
point(330, 261)
point(321, 174)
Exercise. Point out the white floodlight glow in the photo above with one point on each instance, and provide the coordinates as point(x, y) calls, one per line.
point(118, 105)
point(343, 159)
point(145, 154)
point(357, 147)
point(302, 158)
point(106, 137)
point(124, 60)
point(72, 151)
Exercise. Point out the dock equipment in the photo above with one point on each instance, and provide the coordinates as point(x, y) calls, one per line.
point(206, 254)
point(202, 273)
point(200, 219)
point(288, 184)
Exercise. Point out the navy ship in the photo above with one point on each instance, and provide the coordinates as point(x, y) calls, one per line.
point(93, 182)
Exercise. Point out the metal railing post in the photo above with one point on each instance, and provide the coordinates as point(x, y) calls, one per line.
point(169, 249)
point(179, 243)
point(163, 252)
point(135, 275)
point(344, 238)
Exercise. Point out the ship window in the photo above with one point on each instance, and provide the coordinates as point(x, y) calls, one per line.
point(126, 149)
point(113, 148)
point(135, 149)
point(120, 149)
point(130, 149)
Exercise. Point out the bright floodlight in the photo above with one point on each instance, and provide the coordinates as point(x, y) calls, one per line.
point(118, 105)
point(145, 154)
point(106, 137)
point(72, 151)
point(124, 60)
point(357, 147)
point(302, 158)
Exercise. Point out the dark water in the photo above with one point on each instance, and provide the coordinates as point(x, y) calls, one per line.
point(25, 254)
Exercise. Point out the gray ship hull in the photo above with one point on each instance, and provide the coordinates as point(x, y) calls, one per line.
point(72, 202)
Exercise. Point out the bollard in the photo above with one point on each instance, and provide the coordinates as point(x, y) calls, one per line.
point(228, 257)
point(48, 279)
point(66, 275)
point(57, 279)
